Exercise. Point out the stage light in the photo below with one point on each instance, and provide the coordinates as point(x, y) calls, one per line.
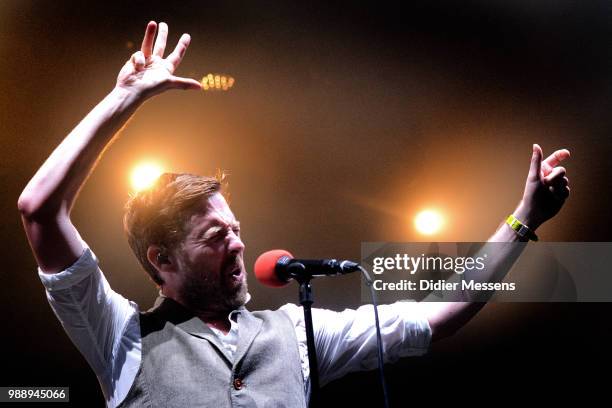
point(144, 175)
point(217, 82)
point(428, 222)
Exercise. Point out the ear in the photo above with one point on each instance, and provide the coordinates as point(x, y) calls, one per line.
point(161, 259)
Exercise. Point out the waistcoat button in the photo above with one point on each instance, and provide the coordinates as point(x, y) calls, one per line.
point(238, 383)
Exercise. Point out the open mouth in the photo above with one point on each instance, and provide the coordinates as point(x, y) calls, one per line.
point(236, 271)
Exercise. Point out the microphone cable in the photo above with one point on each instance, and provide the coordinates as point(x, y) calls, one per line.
point(381, 370)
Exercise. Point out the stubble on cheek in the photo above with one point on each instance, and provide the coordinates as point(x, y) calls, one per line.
point(201, 291)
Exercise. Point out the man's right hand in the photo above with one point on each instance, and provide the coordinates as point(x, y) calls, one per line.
point(148, 73)
point(47, 200)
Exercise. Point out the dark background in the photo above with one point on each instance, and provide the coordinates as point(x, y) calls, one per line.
point(344, 121)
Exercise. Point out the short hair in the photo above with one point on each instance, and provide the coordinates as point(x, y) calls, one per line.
point(159, 215)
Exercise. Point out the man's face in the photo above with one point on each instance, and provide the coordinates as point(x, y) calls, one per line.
point(211, 259)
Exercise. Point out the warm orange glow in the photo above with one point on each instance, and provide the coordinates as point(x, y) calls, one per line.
point(217, 82)
point(428, 222)
point(144, 175)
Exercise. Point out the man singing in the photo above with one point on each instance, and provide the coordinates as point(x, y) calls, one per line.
point(199, 345)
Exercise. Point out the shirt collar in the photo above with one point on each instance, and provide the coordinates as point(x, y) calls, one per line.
point(237, 310)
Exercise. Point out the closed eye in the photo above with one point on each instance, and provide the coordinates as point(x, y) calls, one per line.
point(217, 237)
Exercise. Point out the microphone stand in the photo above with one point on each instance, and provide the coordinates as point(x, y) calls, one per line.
point(306, 300)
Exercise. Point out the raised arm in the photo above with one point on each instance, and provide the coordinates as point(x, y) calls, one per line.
point(546, 190)
point(47, 200)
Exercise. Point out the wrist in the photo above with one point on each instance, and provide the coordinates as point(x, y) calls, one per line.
point(127, 96)
point(526, 216)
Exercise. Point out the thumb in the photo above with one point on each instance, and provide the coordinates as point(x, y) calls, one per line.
point(185, 83)
point(536, 163)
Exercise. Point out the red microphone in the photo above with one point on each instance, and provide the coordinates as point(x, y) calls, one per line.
point(277, 267)
point(265, 267)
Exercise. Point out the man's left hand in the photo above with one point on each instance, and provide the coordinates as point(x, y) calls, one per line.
point(546, 188)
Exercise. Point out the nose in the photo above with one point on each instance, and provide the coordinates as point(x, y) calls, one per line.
point(235, 244)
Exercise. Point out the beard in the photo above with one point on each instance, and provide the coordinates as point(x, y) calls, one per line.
point(209, 292)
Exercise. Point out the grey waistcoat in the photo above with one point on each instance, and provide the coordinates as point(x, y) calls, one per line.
point(184, 364)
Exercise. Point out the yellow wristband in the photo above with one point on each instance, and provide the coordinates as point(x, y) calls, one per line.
point(521, 229)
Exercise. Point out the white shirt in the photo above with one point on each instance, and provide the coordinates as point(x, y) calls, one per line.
point(105, 328)
point(229, 341)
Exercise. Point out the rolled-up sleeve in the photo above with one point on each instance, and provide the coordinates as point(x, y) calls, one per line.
point(346, 341)
point(100, 322)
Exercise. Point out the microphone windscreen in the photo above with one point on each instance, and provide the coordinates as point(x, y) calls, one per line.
point(265, 265)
